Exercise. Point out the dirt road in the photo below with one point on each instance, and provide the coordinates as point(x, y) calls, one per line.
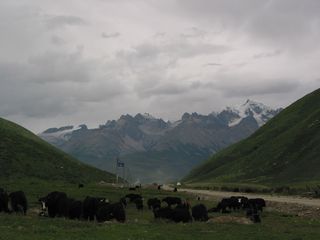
point(270, 198)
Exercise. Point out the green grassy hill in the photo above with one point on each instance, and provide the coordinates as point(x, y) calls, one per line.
point(23, 155)
point(285, 151)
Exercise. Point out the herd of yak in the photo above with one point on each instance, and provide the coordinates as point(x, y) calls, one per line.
point(58, 204)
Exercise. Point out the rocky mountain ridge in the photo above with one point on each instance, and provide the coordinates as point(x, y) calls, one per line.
point(170, 148)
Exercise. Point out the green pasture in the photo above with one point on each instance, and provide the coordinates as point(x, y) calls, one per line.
point(141, 225)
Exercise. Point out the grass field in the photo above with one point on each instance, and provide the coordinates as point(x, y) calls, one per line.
point(141, 225)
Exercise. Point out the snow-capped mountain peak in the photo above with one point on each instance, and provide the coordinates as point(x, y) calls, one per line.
point(256, 106)
point(260, 112)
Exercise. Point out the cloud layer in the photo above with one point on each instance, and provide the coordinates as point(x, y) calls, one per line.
point(72, 62)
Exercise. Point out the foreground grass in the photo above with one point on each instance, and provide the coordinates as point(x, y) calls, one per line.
point(13, 227)
point(142, 225)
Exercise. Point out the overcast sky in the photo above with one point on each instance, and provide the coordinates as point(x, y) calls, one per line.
point(78, 61)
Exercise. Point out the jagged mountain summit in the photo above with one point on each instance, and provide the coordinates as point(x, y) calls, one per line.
point(260, 112)
point(158, 150)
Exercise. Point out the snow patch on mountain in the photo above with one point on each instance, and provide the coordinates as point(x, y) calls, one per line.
point(146, 124)
point(58, 135)
point(260, 112)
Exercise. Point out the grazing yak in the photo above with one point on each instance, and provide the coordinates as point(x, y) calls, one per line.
point(123, 201)
point(178, 214)
point(132, 197)
point(181, 213)
point(258, 203)
point(59, 205)
point(74, 209)
point(56, 203)
point(253, 214)
point(154, 203)
point(200, 213)
point(90, 207)
point(139, 203)
point(228, 204)
point(4, 200)
point(107, 212)
point(251, 206)
point(172, 201)
point(231, 203)
point(164, 212)
point(18, 202)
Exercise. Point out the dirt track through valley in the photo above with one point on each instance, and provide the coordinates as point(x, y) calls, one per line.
point(270, 198)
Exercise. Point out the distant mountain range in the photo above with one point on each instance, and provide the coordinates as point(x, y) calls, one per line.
point(155, 150)
point(284, 152)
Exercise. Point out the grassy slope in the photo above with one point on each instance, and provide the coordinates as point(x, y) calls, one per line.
point(284, 151)
point(23, 155)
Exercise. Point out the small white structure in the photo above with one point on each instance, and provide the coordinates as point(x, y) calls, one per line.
point(137, 183)
point(178, 184)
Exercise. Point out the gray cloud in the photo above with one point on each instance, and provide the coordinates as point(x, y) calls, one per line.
point(56, 40)
point(150, 63)
point(61, 65)
point(159, 35)
point(110, 35)
point(212, 64)
point(175, 50)
point(267, 54)
point(54, 84)
point(194, 32)
point(164, 90)
point(233, 87)
point(285, 22)
point(54, 22)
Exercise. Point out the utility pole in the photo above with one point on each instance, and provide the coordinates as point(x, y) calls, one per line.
point(119, 164)
point(123, 174)
point(117, 175)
